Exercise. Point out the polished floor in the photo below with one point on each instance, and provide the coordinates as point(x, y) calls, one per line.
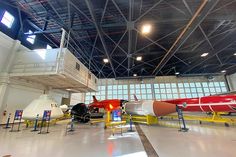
point(207, 140)
point(85, 141)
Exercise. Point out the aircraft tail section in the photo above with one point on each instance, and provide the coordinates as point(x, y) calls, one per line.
point(135, 98)
point(95, 99)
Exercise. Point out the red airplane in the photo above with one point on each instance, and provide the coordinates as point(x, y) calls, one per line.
point(216, 103)
point(108, 105)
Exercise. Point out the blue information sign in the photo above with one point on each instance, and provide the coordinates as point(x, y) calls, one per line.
point(116, 115)
point(18, 114)
point(47, 115)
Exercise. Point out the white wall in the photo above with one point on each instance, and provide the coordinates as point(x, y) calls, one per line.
point(232, 82)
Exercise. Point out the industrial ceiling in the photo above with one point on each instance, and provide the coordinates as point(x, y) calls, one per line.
point(181, 31)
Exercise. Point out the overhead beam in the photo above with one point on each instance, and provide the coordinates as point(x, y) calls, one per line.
point(226, 43)
point(201, 13)
point(100, 33)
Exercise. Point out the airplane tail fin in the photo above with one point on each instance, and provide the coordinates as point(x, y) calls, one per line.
point(94, 99)
point(135, 98)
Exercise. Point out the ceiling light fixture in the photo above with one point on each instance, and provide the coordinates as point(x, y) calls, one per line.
point(134, 75)
point(176, 73)
point(223, 71)
point(235, 54)
point(139, 58)
point(146, 28)
point(105, 60)
point(204, 54)
point(68, 89)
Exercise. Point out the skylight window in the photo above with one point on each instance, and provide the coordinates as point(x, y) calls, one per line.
point(7, 19)
point(49, 47)
point(31, 38)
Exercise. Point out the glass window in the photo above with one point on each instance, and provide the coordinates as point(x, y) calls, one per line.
point(162, 85)
point(186, 84)
point(163, 90)
point(200, 95)
point(114, 87)
point(158, 96)
point(181, 90)
point(149, 91)
point(188, 95)
point(175, 96)
point(187, 90)
point(125, 86)
point(212, 90)
point(194, 95)
point(149, 96)
point(206, 90)
point(168, 90)
point(119, 86)
point(125, 92)
point(198, 84)
point(120, 92)
point(211, 84)
point(223, 89)
point(157, 90)
point(109, 92)
point(163, 96)
point(132, 86)
point(173, 85)
point(31, 38)
point(174, 90)
point(156, 85)
point(137, 91)
point(192, 84)
point(217, 84)
point(199, 90)
point(144, 96)
point(103, 97)
point(109, 87)
point(218, 90)
point(148, 85)
point(132, 92)
point(7, 19)
point(204, 84)
point(180, 85)
point(193, 90)
point(222, 84)
point(137, 86)
point(143, 86)
point(167, 85)
point(114, 92)
point(182, 96)
point(49, 47)
point(109, 97)
point(143, 90)
point(169, 96)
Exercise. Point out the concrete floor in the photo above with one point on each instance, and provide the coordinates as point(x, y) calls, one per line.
point(206, 140)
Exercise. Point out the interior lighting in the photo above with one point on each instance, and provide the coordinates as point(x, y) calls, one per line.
point(223, 71)
point(235, 54)
point(105, 60)
point(134, 75)
point(146, 29)
point(204, 54)
point(68, 89)
point(139, 58)
point(176, 73)
point(7, 19)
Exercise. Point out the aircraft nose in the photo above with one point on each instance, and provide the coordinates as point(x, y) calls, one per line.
point(163, 108)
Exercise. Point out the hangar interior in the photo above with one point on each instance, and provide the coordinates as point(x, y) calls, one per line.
point(124, 52)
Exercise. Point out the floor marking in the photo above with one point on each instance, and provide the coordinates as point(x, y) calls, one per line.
point(146, 143)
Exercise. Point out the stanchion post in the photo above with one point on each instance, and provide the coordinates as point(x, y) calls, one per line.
point(36, 123)
point(8, 121)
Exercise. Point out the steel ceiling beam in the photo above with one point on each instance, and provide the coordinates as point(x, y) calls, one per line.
point(201, 13)
point(100, 33)
point(156, 4)
point(200, 27)
point(226, 43)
